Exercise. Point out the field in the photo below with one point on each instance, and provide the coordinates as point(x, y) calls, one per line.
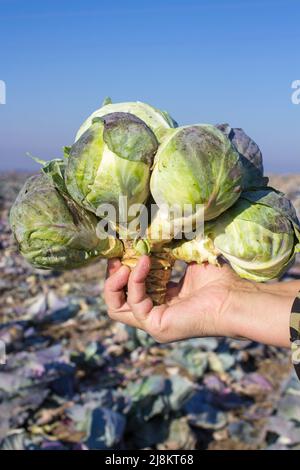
point(73, 379)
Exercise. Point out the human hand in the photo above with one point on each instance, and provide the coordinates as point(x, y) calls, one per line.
point(199, 305)
point(208, 301)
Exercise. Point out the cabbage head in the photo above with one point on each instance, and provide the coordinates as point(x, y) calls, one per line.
point(196, 165)
point(250, 157)
point(259, 236)
point(111, 159)
point(157, 120)
point(51, 230)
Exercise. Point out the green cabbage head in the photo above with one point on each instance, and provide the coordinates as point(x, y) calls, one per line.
point(111, 159)
point(259, 236)
point(250, 157)
point(52, 231)
point(157, 120)
point(197, 165)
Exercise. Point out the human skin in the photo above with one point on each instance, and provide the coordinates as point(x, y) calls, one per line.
point(208, 301)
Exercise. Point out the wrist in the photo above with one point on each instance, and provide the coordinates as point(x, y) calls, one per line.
point(259, 315)
point(289, 288)
point(231, 312)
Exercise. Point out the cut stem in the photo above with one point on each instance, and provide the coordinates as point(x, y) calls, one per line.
point(160, 271)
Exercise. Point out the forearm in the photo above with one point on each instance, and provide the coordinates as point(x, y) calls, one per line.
point(262, 316)
point(288, 288)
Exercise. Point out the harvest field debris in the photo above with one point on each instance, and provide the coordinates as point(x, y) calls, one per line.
point(74, 379)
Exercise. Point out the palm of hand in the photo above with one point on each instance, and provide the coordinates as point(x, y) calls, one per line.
point(194, 306)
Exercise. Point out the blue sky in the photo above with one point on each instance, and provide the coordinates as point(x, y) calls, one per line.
point(203, 61)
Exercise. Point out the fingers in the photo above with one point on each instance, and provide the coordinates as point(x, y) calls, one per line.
point(113, 265)
point(137, 298)
point(138, 304)
point(123, 315)
point(136, 283)
point(114, 286)
point(115, 298)
point(138, 309)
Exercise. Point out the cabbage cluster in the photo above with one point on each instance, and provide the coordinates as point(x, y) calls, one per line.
point(137, 153)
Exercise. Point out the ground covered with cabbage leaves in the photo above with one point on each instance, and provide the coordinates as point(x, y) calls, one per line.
point(73, 379)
